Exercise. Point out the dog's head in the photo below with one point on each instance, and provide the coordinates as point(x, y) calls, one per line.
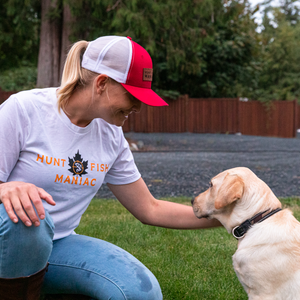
point(234, 196)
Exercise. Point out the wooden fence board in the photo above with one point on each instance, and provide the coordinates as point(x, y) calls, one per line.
point(5, 95)
point(298, 116)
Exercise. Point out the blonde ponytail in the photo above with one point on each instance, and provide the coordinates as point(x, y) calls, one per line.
point(74, 76)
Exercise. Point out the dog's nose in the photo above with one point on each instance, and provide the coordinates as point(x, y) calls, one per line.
point(192, 201)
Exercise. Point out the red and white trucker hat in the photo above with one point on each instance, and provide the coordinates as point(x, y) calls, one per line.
point(126, 62)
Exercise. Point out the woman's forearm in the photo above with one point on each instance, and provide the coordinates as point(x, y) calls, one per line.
point(178, 216)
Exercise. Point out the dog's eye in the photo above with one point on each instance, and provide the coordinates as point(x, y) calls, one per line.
point(210, 184)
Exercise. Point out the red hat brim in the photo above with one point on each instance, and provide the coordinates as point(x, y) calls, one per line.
point(145, 95)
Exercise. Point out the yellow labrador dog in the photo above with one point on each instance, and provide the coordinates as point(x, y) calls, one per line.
point(267, 261)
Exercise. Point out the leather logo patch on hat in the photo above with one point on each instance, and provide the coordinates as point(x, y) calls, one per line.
point(147, 75)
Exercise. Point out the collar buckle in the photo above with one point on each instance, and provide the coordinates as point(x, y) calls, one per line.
point(238, 232)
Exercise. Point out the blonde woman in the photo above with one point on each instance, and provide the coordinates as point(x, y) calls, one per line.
point(58, 146)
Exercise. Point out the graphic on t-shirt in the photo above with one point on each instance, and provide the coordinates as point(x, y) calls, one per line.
point(78, 168)
point(78, 165)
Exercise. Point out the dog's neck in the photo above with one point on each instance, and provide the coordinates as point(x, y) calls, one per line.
point(246, 208)
point(239, 231)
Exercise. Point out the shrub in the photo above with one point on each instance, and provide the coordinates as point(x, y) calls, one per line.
point(17, 79)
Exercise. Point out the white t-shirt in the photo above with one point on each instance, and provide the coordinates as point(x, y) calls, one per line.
point(39, 145)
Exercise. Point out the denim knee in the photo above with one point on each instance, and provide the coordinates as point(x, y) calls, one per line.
point(142, 284)
point(24, 250)
point(146, 288)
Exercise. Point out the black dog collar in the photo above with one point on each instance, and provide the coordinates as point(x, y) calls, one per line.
point(239, 231)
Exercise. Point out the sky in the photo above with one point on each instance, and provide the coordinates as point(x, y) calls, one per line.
point(258, 15)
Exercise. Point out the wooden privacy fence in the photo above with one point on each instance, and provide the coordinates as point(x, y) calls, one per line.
point(280, 119)
point(214, 115)
point(4, 95)
point(218, 115)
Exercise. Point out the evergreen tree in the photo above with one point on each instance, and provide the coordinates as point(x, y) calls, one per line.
point(19, 27)
point(279, 56)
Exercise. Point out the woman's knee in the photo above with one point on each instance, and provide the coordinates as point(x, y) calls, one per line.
point(145, 287)
point(26, 248)
point(131, 293)
point(142, 284)
point(134, 281)
point(27, 237)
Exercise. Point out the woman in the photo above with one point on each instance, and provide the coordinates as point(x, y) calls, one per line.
point(58, 145)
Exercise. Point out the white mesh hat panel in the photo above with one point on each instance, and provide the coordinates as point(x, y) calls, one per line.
point(110, 55)
point(118, 56)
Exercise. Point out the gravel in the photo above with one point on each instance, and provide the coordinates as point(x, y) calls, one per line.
point(181, 164)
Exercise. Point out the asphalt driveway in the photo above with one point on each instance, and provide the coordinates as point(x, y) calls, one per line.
point(182, 164)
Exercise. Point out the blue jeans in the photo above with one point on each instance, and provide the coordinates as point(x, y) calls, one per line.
point(77, 264)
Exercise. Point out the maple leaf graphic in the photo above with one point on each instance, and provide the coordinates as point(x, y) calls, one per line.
point(78, 166)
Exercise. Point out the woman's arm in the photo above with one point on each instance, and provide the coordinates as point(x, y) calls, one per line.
point(20, 198)
point(137, 198)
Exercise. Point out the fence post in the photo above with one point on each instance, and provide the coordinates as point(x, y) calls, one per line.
point(238, 129)
point(187, 109)
point(295, 117)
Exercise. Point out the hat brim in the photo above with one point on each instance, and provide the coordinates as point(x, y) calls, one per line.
point(145, 95)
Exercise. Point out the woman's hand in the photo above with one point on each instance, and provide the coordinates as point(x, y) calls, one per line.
point(20, 198)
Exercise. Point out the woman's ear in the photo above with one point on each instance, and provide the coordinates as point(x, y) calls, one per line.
point(101, 83)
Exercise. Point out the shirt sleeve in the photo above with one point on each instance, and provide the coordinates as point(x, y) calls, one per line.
point(14, 126)
point(124, 169)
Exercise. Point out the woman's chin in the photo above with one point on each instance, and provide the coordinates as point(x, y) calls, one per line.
point(116, 120)
point(120, 122)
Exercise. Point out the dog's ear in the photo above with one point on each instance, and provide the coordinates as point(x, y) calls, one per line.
point(231, 190)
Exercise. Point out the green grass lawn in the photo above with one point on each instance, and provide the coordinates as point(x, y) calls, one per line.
point(189, 264)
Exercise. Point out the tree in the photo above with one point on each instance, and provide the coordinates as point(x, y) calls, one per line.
point(56, 22)
point(19, 25)
point(279, 56)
